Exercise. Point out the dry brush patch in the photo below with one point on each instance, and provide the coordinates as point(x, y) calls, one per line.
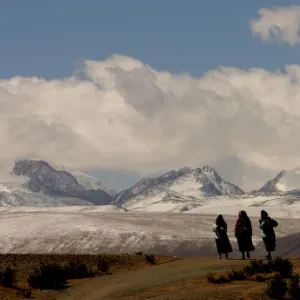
point(22, 274)
point(277, 274)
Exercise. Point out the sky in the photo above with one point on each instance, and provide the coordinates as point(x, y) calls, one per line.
point(131, 89)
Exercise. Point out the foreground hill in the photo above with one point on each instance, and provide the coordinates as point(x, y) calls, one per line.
point(32, 182)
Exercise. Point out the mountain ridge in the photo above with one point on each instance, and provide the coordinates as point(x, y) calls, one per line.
point(199, 182)
point(39, 183)
point(35, 182)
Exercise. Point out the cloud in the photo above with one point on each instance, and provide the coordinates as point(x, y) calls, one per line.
point(121, 114)
point(278, 24)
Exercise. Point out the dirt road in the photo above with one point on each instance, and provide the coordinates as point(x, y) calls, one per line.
point(135, 284)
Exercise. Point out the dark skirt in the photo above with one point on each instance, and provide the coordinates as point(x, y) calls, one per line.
point(270, 243)
point(223, 245)
point(245, 243)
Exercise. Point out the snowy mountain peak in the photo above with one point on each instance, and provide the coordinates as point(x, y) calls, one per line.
point(184, 183)
point(208, 170)
point(273, 185)
point(284, 182)
point(40, 178)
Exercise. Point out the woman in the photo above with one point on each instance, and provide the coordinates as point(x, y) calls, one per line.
point(243, 233)
point(267, 224)
point(222, 240)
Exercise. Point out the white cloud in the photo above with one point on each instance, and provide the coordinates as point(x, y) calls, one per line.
point(278, 24)
point(130, 116)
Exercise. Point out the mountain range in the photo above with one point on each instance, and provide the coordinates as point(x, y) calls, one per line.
point(32, 182)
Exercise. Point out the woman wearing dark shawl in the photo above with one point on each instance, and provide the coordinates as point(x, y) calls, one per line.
point(267, 224)
point(222, 240)
point(243, 233)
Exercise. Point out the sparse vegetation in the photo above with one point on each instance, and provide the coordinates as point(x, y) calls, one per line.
point(276, 288)
point(103, 265)
point(276, 273)
point(294, 288)
point(47, 276)
point(283, 266)
point(150, 259)
point(218, 278)
point(77, 271)
point(278, 265)
point(257, 267)
point(236, 275)
point(24, 292)
point(8, 277)
point(22, 274)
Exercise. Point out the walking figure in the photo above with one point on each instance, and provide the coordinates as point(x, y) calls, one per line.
point(243, 233)
point(267, 225)
point(222, 240)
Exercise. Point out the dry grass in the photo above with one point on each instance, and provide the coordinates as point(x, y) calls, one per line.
point(218, 278)
point(261, 277)
point(24, 263)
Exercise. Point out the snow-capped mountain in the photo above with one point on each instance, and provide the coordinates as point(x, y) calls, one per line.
point(36, 183)
point(286, 182)
point(87, 181)
point(182, 185)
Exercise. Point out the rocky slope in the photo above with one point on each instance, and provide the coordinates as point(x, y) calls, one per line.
point(285, 183)
point(181, 185)
point(36, 183)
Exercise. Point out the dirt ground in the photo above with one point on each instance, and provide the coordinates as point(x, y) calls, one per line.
point(174, 279)
point(178, 280)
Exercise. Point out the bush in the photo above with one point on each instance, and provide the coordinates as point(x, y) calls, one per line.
point(150, 259)
point(276, 288)
point(8, 277)
point(218, 278)
point(103, 265)
point(77, 271)
point(294, 288)
point(24, 292)
point(48, 276)
point(283, 266)
point(257, 266)
point(259, 277)
point(237, 275)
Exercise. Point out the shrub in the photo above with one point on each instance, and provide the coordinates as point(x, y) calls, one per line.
point(103, 265)
point(8, 277)
point(237, 275)
point(294, 288)
point(259, 277)
point(282, 266)
point(218, 278)
point(24, 292)
point(77, 271)
point(150, 259)
point(257, 266)
point(48, 276)
point(276, 288)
